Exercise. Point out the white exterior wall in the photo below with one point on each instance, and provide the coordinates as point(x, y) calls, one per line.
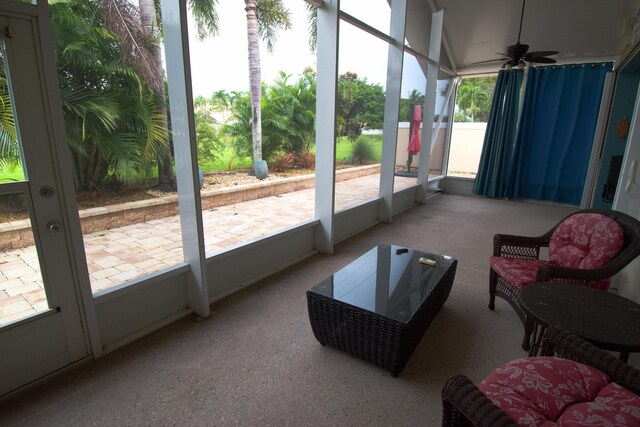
point(466, 147)
point(464, 154)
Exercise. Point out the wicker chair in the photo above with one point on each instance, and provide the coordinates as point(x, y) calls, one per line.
point(464, 404)
point(528, 248)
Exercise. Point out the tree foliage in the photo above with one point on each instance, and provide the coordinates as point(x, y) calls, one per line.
point(414, 97)
point(137, 47)
point(295, 105)
point(272, 17)
point(473, 102)
point(359, 105)
point(111, 120)
point(288, 113)
point(208, 142)
point(312, 20)
point(206, 17)
point(9, 151)
point(288, 116)
point(137, 31)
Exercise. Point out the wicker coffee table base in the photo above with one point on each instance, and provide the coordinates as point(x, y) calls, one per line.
point(371, 337)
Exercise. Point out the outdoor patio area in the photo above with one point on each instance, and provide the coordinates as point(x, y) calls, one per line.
point(121, 254)
point(255, 360)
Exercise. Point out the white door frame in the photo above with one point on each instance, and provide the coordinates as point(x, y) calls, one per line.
point(36, 346)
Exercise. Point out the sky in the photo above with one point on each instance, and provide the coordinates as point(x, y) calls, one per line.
point(220, 62)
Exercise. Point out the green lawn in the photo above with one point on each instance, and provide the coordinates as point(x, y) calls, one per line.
point(344, 148)
point(11, 173)
point(228, 161)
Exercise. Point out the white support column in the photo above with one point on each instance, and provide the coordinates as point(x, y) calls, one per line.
point(176, 45)
point(430, 97)
point(328, 25)
point(395, 63)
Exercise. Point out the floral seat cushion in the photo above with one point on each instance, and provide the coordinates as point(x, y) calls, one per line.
point(585, 241)
point(547, 391)
point(518, 272)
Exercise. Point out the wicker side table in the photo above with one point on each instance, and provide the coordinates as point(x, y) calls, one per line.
point(606, 320)
point(378, 307)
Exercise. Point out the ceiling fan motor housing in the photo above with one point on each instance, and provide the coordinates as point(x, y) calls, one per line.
point(517, 51)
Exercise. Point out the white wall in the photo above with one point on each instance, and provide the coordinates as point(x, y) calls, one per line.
point(466, 147)
point(464, 152)
point(435, 161)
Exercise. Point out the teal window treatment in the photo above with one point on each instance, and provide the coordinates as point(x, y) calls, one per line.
point(555, 135)
point(494, 171)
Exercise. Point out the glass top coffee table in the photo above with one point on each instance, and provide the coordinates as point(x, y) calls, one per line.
point(378, 307)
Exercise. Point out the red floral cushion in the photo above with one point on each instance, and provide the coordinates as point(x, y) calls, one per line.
point(518, 272)
point(546, 391)
point(614, 406)
point(523, 272)
point(586, 241)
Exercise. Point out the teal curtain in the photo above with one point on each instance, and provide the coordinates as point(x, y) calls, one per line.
point(497, 151)
point(555, 136)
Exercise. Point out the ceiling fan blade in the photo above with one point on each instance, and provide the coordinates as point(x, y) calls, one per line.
point(541, 60)
point(490, 60)
point(542, 53)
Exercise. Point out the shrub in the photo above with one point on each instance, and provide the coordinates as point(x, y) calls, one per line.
point(362, 152)
point(208, 141)
point(306, 159)
point(232, 161)
point(281, 161)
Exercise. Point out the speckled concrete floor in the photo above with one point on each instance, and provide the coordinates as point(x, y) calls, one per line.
point(255, 360)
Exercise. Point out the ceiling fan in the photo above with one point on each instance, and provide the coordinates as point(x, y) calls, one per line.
point(518, 54)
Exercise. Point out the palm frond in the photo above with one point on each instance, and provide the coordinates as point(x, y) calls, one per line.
point(119, 147)
point(272, 16)
point(312, 19)
point(157, 134)
point(206, 16)
point(137, 48)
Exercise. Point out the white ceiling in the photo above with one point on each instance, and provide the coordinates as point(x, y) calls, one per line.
point(476, 30)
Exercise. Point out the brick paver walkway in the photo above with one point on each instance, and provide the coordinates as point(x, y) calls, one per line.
point(121, 254)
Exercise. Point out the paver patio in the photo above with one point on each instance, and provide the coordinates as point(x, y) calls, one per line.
point(117, 255)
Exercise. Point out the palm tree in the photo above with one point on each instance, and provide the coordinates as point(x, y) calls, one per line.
point(221, 102)
point(110, 119)
point(255, 79)
point(148, 19)
point(139, 39)
point(264, 18)
point(474, 98)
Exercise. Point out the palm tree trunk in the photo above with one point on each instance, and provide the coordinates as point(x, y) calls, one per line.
point(166, 176)
point(255, 78)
